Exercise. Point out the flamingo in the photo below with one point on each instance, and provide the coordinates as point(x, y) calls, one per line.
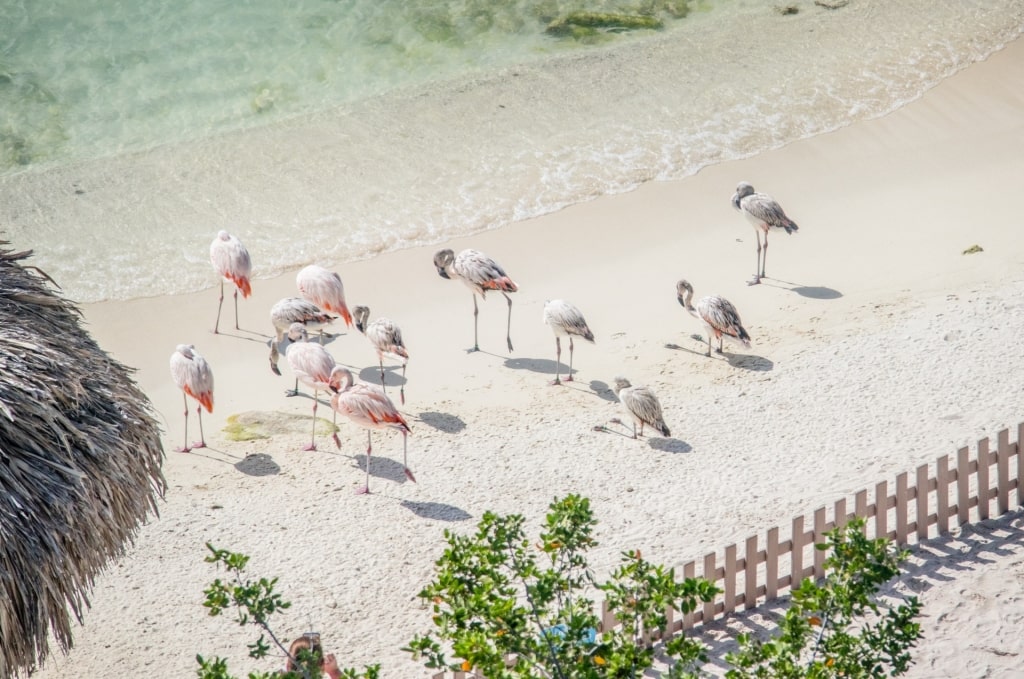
point(565, 319)
point(312, 366)
point(480, 273)
point(325, 289)
point(717, 313)
point(293, 310)
point(368, 406)
point(386, 337)
point(193, 376)
point(232, 262)
point(764, 214)
point(642, 405)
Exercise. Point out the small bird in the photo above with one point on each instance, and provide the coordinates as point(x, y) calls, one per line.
point(565, 320)
point(642, 405)
point(764, 214)
point(193, 376)
point(325, 289)
point(386, 337)
point(312, 366)
point(293, 310)
point(368, 406)
point(718, 314)
point(480, 273)
point(232, 262)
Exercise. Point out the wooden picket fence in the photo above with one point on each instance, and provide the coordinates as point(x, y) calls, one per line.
point(963, 489)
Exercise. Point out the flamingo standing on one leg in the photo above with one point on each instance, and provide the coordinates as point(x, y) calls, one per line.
point(718, 314)
point(565, 320)
point(293, 310)
point(193, 376)
point(325, 289)
point(368, 406)
point(232, 262)
point(765, 214)
point(386, 337)
point(480, 273)
point(312, 366)
point(642, 405)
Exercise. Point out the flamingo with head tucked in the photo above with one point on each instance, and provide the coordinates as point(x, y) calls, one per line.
point(480, 273)
point(232, 262)
point(293, 310)
point(369, 407)
point(718, 314)
point(193, 376)
point(386, 337)
point(765, 214)
point(642, 404)
point(325, 289)
point(312, 366)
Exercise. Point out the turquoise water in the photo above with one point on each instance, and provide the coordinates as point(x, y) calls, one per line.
point(331, 131)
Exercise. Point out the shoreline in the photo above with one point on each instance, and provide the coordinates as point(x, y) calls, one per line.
point(876, 330)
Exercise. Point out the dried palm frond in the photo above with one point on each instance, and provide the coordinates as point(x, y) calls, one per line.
point(80, 457)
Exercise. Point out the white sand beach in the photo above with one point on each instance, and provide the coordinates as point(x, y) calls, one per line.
point(877, 346)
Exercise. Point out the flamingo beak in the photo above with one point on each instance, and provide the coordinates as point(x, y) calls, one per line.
point(443, 274)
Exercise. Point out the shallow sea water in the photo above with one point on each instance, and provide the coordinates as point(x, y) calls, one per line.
point(330, 131)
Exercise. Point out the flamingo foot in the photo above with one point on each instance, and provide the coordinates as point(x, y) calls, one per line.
point(182, 450)
point(719, 351)
point(569, 379)
point(470, 351)
point(755, 280)
point(408, 475)
point(555, 382)
point(337, 441)
point(363, 490)
point(510, 345)
point(198, 444)
point(291, 392)
point(311, 446)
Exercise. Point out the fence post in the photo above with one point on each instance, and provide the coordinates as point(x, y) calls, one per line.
point(796, 557)
point(1003, 469)
point(709, 573)
point(983, 484)
point(689, 571)
point(771, 565)
point(860, 507)
point(942, 494)
point(729, 582)
point(750, 576)
point(963, 486)
point(819, 536)
point(922, 502)
point(901, 508)
point(882, 509)
point(1020, 463)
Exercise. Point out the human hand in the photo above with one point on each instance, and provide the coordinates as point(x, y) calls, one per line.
point(330, 666)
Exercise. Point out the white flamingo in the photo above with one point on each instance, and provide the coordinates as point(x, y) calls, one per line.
point(718, 315)
point(193, 376)
point(232, 262)
point(312, 366)
point(325, 289)
point(293, 310)
point(480, 273)
point(642, 405)
point(386, 337)
point(369, 407)
point(764, 213)
point(564, 319)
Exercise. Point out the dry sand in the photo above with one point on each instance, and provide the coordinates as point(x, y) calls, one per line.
point(878, 346)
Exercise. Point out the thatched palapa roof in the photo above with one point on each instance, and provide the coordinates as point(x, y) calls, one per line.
point(80, 457)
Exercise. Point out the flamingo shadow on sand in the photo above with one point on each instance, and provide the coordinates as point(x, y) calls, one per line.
point(603, 390)
point(669, 445)
point(450, 424)
point(750, 362)
point(437, 511)
point(372, 375)
point(258, 464)
point(382, 467)
point(811, 291)
point(537, 365)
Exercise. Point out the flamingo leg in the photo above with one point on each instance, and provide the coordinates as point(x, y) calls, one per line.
point(236, 310)
point(757, 270)
point(401, 391)
point(508, 328)
point(293, 392)
point(634, 429)
point(721, 338)
point(184, 448)
point(220, 303)
point(312, 442)
point(334, 431)
point(709, 345)
point(569, 376)
point(369, 451)
point(405, 456)
point(558, 359)
point(380, 359)
point(476, 313)
point(202, 437)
